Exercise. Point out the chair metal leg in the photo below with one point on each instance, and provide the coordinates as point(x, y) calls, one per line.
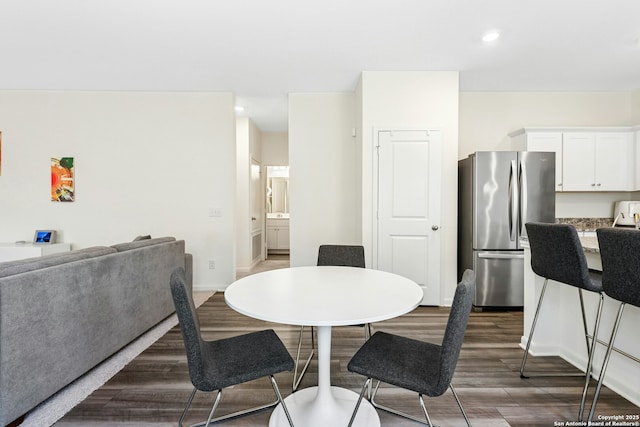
point(464, 414)
point(367, 335)
point(391, 410)
point(424, 410)
point(355, 411)
point(592, 350)
point(422, 405)
point(214, 407)
point(605, 362)
point(297, 378)
point(533, 326)
point(212, 420)
point(186, 408)
point(281, 400)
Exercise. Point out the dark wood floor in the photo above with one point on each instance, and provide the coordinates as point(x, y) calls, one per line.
point(153, 389)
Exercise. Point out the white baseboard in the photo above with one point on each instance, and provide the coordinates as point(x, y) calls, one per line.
point(209, 288)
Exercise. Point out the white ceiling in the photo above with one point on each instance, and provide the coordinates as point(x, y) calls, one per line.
point(261, 50)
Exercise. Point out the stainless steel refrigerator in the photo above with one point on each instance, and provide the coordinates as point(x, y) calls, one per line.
point(498, 192)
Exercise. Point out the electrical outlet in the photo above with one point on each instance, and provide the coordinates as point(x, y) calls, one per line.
point(212, 264)
point(215, 212)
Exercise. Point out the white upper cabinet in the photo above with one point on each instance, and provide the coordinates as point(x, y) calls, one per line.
point(597, 161)
point(636, 165)
point(579, 161)
point(587, 159)
point(615, 161)
point(525, 140)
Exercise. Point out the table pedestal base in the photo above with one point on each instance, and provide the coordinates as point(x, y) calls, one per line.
point(308, 411)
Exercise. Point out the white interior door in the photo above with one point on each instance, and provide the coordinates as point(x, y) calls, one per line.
point(257, 210)
point(408, 205)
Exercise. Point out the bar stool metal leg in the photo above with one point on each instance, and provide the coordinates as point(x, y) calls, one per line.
point(592, 350)
point(605, 362)
point(533, 327)
point(590, 345)
point(584, 320)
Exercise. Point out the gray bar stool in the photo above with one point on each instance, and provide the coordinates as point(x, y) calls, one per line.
point(619, 249)
point(557, 254)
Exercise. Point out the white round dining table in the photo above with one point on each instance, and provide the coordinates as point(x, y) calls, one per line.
point(324, 296)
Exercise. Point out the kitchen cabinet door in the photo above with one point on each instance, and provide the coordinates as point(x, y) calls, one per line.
point(578, 161)
point(283, 238)
point(548, 141)
point(597, 161)
point(612, 166)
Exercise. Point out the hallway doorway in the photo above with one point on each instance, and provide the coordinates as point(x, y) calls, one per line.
point(274, 262)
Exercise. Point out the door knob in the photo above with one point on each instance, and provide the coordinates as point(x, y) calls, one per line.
point(435, 227)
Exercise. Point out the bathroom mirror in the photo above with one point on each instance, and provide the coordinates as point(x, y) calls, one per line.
point(278, 190)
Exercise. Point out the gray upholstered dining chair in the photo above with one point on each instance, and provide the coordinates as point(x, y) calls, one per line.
point(414, 365)
point(341, 255)
point(619, 249)
point(557, 254)
point(215, 365)
point(331, 255)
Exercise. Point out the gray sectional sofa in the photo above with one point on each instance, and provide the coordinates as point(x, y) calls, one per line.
point(63, 314)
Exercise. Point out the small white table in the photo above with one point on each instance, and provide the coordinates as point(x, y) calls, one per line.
point(15, 251)
point(324, 297)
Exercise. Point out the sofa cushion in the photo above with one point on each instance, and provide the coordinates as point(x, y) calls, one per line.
point(10, 268)
point(121, 247)
point(142, 237)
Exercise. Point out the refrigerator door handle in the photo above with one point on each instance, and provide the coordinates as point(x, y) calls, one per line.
point(513, 203)
point(490, 255)
point(522, 182)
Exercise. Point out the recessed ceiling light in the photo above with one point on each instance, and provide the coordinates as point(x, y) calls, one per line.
point(239, 108)
point(489, 37)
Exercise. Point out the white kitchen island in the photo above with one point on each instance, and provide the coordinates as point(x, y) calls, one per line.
point(559, 331)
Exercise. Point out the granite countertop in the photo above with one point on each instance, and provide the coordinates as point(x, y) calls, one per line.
point(589, 242)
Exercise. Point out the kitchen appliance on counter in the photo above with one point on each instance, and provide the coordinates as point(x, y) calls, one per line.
point(498, 192)
point(625, 211)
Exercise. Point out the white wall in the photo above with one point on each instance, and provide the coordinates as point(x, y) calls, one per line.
point(275, 148)
point(145, 163)
point(157, 163)
point(486, 119)
point(414, 99)
point(635, 107)
point(324, 187)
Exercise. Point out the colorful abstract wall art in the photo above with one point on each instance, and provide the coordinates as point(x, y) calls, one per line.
point(62, 180)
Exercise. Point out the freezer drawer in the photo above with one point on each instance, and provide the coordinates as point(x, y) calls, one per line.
point(499, 278)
